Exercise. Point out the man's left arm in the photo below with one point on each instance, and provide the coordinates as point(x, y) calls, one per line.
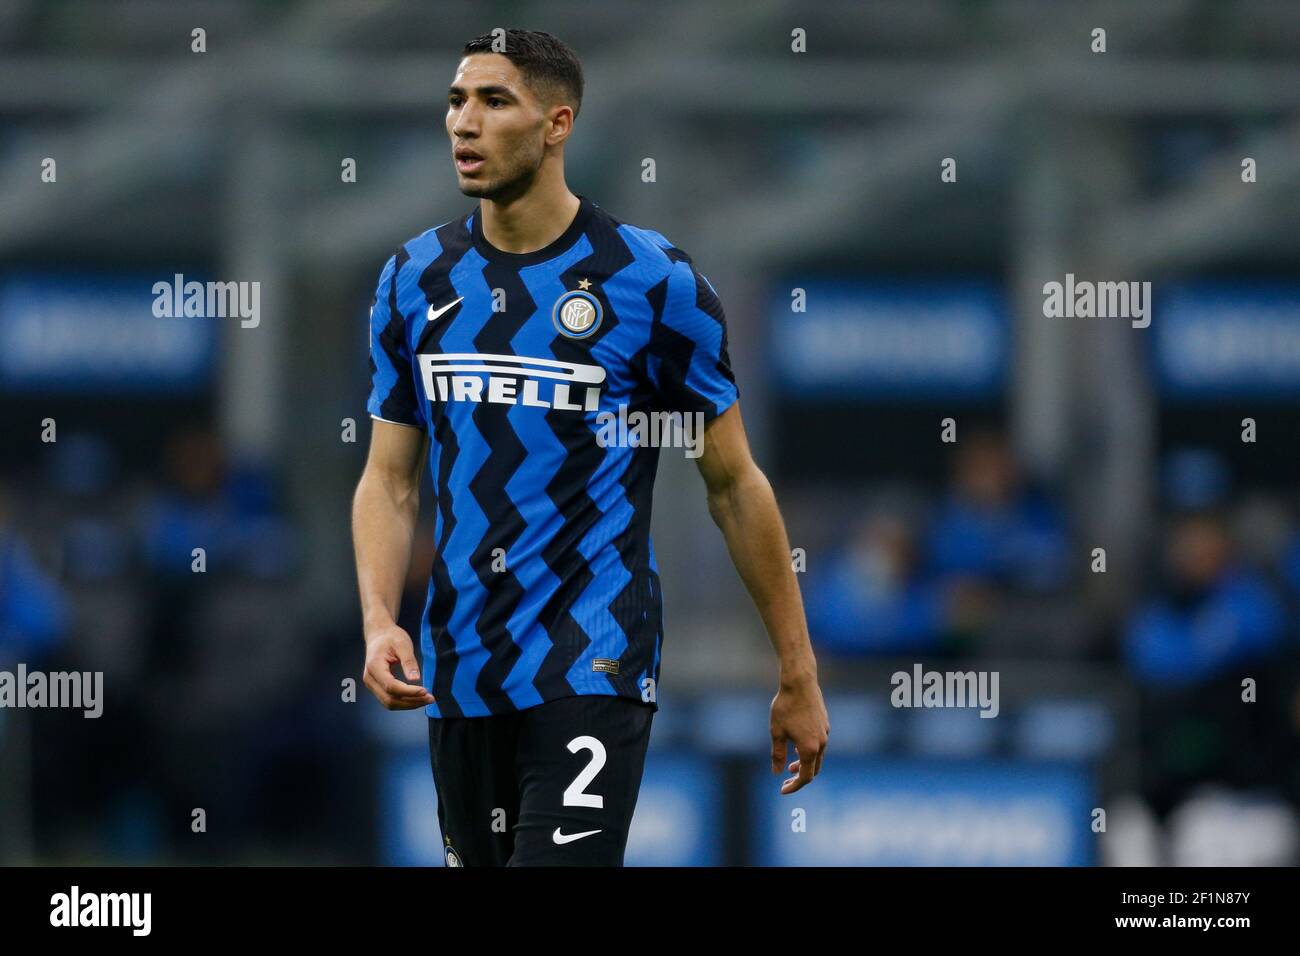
point(743, 506)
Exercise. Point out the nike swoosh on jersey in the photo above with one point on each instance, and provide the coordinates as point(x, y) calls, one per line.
point(563, 838)
point(434, 313)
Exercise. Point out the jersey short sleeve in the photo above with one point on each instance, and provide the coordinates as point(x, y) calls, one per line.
point(687, 362)
point(394, 396)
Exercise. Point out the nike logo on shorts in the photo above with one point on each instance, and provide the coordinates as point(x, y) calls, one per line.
point(562, 838)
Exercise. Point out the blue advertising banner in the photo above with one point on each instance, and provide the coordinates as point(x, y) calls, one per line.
point(900, 812)
point(900, 339)
point(92, 333)
point(678, 819)
point(1213, 339)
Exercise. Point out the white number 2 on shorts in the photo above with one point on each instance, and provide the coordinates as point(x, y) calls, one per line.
point(573, 794)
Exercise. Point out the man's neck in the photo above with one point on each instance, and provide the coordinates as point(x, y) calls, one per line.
point(531, 222)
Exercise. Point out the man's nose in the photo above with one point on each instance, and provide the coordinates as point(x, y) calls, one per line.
point(466, 122)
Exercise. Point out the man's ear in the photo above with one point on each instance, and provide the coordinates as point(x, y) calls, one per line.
point(561, 120)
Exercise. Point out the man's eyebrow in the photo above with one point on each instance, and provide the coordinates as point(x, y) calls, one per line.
point(492, 90)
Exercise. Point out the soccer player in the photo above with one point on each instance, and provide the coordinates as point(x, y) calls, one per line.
point(499, 341)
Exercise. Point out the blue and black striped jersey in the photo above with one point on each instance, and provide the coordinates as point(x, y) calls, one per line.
point(544, 581)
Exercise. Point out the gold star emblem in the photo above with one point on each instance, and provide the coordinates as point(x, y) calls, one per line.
point(584, 284)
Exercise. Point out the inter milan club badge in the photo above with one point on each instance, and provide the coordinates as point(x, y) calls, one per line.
point(576, 314)
point(452, 857)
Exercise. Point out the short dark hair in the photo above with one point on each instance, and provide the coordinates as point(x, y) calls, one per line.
point(546, 62)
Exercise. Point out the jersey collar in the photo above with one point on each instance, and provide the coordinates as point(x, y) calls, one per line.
point(550, 251)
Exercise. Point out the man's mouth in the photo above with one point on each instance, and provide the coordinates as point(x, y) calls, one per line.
point(468, 161)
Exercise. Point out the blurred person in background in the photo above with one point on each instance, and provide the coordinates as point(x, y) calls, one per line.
point(991, 529)
point(1213, 613)
point(871, 597)
point(75, 508)
point(211, 626)
point(1214, 610)
point(35, 624)
point(992, 544)
point(231, 513)
point(81, 498)
point(191, 510)
point(34, 614)
point(1213, 623)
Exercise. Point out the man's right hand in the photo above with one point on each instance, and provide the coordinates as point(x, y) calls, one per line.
point(385, 647)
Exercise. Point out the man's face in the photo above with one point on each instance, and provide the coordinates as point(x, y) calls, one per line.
point(497, 128)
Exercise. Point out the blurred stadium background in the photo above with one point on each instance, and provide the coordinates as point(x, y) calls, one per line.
point(777, 171)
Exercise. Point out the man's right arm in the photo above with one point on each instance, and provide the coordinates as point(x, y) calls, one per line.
point(384, 513)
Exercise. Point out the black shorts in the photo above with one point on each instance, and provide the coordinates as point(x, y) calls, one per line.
point(552, 785)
